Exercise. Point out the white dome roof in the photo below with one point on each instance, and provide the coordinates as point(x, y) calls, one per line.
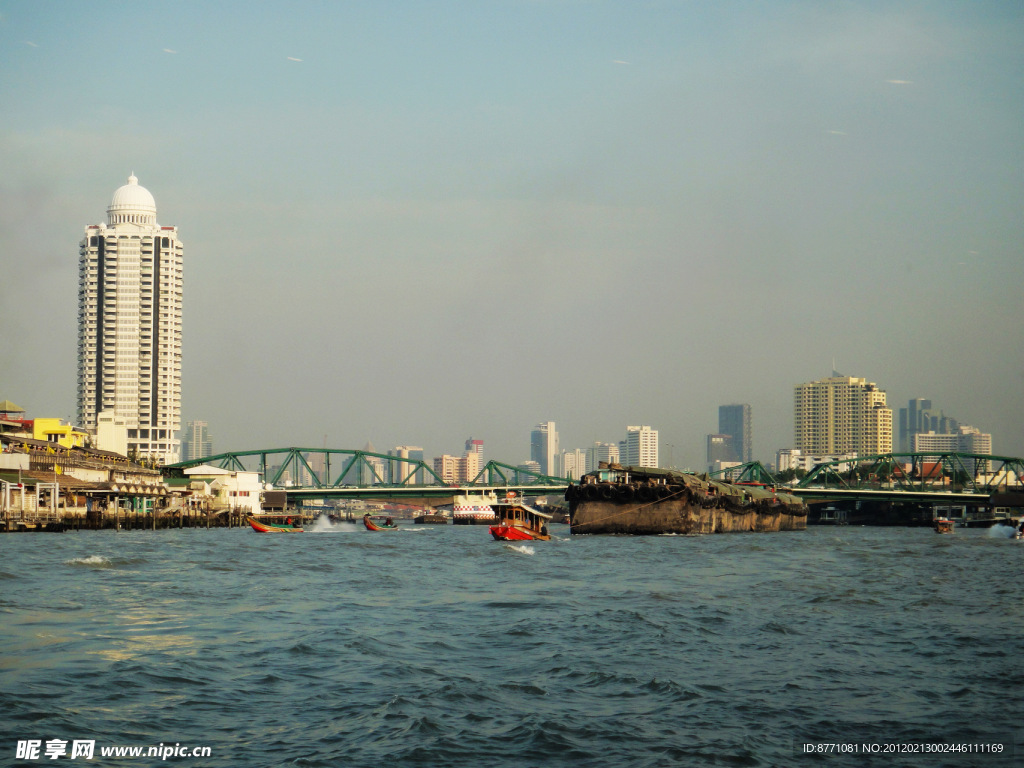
point(132, 203)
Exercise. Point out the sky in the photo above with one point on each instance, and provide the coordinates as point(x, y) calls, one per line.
point(412, 223)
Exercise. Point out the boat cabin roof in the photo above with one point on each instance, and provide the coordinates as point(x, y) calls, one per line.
point(531, 510)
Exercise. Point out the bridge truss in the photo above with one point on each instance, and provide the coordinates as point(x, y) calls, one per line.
point(915, 472)
point(333, 468)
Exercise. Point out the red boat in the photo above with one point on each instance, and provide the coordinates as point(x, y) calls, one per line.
point(519, 522)
point(387, 525)
point(272, 527)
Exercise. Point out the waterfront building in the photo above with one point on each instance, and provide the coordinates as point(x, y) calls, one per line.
point(196, 442)
point(598, 452)
point(544, 447)
point(57, 431)
point(735, 421)
point(457, 469)
point(476, 447)
point(232, 491)
point(129, 324)
point(641, 447)
point(841, 414)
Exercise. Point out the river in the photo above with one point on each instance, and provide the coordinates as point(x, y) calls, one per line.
point(436, 646)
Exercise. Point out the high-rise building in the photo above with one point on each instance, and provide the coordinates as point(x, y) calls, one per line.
point(598, 452)
point(734, 421)
point(574, 463)
point(919, 417)
point(966, 439)
point(839, 415)
point(544, 448)
point(406, 472)
point(196, 442)
point(641, 447)
point(719, 452)
point(129, 324)
point(476, 447)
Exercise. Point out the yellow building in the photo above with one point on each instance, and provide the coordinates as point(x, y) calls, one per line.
point(56, 431)
point(839, 415)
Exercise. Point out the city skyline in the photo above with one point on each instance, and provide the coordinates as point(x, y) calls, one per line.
point(692, 205)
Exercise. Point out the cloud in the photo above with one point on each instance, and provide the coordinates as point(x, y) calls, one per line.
point(292, 58)
point(620, 61)
point(169, 50)
point(900, 82)
point(837, 133)
point(29, 42)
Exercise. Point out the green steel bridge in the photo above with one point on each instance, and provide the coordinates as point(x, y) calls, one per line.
point(963, 478)
point(318, 473)
point(322, 473)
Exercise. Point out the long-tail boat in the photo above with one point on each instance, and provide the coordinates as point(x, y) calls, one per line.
point(387, 525)
point(272, 527)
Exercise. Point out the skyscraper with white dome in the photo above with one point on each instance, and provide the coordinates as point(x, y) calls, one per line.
point(129, 324)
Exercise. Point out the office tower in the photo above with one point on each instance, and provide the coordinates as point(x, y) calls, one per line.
point(641, 447)
point(196, 442)
point(841, 414)
point(734, 421)
point(720, 451)
point(129, 324)
point(544, 447)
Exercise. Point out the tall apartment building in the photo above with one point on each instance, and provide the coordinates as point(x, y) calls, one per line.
point(457, 469)
point(129, 324)
point(641, 447)
point(735, 421)
point(544, 448)
point(196, 442)
point(839, 415)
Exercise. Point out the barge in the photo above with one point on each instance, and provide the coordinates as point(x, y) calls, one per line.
point(646, 501)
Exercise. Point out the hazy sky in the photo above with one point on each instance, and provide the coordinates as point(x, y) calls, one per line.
point(420, 222)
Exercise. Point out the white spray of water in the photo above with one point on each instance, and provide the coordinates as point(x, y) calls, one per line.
point(324, 525)
point(94, 560)
point(521, 548)
point(1002, 532)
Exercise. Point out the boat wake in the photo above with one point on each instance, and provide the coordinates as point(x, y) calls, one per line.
point(524, 549)
point(1002, 532)
point(323, 525)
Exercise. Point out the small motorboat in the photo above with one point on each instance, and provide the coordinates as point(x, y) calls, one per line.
point(262, 527)
point(519, 522)
point(387, 525)
point(943, 525)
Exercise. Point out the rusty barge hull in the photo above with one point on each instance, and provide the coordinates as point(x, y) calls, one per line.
point(679, 517)
point(645, 501)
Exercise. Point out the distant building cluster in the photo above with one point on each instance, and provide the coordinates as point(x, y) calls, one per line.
point(129, 385)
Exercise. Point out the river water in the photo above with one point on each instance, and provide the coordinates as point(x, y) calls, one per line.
point(435, 646)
